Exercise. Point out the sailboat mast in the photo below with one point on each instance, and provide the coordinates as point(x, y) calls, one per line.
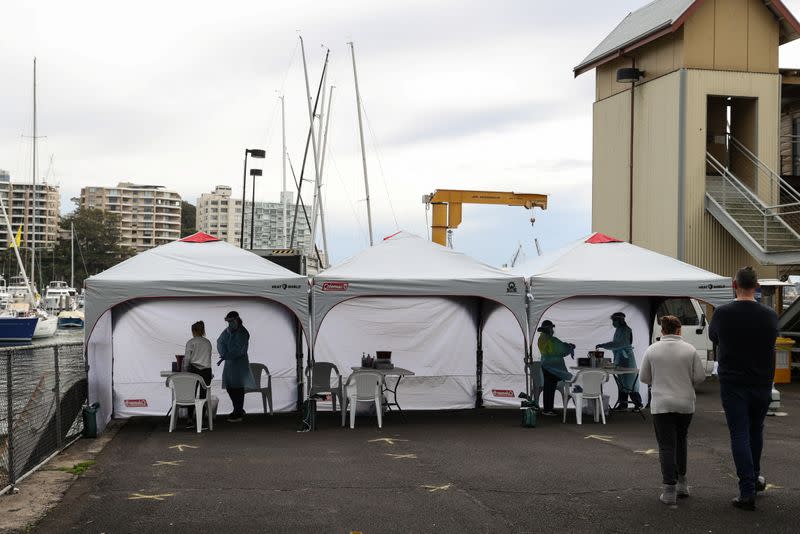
point(322, 173)
point(311, 118)
point(72, 255)
point(32, 228)
point(317, 191)
point(361, 137)
point(285, 216)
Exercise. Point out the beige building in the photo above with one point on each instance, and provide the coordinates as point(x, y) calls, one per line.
point(220, 215)
point(19, 198)
point(150, 215)
point(688, 154)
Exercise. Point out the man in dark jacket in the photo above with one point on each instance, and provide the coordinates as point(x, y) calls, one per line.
point(744, 333)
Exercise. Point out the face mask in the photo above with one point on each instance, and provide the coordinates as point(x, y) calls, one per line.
point(232, 324)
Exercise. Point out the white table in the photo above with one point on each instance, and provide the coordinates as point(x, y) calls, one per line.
point(399, 372)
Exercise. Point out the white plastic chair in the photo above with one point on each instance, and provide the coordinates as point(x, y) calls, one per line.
point(363, 386)
point(591, 382)
point(186, 392)
point(321, 383)
point(266, 391)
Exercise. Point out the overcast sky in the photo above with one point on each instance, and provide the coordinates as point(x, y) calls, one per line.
point(458, 94)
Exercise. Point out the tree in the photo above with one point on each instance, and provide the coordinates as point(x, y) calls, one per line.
point(97, 245)
point(188, 218)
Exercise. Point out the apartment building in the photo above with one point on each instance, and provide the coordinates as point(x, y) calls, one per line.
point(19, 202)
point(150, 215)
point(220, 215)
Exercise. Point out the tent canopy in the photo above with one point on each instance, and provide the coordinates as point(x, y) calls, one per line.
point(199, 266)
point(600, 265)
point(196, 266)
point(405, 264)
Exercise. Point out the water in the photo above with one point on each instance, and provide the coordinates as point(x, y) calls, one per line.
point(62, 336)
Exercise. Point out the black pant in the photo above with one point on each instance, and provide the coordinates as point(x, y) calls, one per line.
point(671, 432)
point(745, 409)
point(205, 374)
point(237, 398)
point(550, 386)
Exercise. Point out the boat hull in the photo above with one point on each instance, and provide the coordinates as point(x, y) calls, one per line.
point(70, 322)
point(17, 328)
point(46, 327)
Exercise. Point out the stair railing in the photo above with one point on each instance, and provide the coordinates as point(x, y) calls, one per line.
point(733, 190)
point(774, 180)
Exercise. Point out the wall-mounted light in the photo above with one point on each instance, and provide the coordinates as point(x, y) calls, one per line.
point(629, 75)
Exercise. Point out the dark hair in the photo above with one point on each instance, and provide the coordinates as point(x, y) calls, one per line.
point(670, 325)
point(199, 328)
point(746, 278)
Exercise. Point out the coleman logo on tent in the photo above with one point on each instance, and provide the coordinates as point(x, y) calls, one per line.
point(512, 287)
point(335, 286)
point(285, 286)
point(504, 393)
point(136, 403)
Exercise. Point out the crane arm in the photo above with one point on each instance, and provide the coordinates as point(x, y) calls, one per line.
point(447, 206)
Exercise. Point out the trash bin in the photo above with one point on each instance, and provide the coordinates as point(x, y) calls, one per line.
point(90, 420)
point(783, 360)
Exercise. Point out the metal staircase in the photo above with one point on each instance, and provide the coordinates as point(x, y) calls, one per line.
point(768, 230)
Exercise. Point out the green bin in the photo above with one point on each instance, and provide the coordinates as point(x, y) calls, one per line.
point(90, 420)
point(530, 410)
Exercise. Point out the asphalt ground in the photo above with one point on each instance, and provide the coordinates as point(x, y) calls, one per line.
point(437, 472)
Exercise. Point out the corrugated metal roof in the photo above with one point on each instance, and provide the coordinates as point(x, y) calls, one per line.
point(638, 24)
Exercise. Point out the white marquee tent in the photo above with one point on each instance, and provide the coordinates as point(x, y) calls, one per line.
point(139, 313)
point(424, 303)
point(579, 286)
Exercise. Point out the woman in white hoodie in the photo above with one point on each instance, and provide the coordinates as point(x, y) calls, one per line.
point(672, 368)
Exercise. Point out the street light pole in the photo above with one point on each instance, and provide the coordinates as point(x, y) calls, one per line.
point(256, 153)
point(253, 173)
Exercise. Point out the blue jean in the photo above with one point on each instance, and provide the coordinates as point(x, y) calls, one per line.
point(745, 409)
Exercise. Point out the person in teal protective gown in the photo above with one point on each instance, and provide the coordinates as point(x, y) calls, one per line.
point(553, 352)
point(622, 347)
point(232, 345)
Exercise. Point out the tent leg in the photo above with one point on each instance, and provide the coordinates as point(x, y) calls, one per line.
point(479, 360)
point(298, 354)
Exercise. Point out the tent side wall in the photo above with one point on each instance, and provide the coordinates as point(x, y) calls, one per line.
point(100, 357)
point(548, 291)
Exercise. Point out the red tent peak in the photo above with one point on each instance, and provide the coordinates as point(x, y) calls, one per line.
point(199, 237)
point(598, 238)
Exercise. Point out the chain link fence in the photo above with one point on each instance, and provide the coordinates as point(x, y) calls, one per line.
point(42, 392)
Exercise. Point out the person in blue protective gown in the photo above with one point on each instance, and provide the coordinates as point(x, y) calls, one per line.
point(622, 347)
point(553, 352)
point(232, 346)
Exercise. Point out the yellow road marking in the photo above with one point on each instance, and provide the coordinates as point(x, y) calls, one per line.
point(168, 462)
point(772, 486)
point(389, 441)
point(182, 446)
point(401, 456)
point(599, 437)
point(431, 489)
point(647, 452)
point(157, 497)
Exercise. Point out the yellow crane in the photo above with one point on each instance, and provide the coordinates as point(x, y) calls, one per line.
point(447, 206)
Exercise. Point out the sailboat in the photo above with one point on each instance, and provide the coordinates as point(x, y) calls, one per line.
point(71, 317)
point(47, 324)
